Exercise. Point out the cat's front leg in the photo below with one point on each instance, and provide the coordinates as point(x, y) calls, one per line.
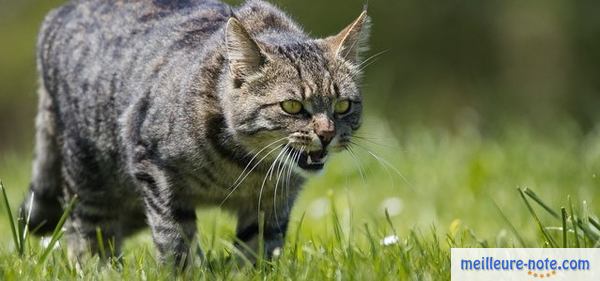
point(172, 218)
point(248, 234)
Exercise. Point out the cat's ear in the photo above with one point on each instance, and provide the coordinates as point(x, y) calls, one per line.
point(244, 55)
point(352, 40)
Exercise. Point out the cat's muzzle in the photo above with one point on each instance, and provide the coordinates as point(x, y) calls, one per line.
point(312, 160)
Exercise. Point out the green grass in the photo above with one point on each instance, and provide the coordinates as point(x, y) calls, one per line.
point(441, 189)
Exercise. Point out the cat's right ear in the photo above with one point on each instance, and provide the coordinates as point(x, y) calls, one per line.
point(244, 55)
point(352, 41)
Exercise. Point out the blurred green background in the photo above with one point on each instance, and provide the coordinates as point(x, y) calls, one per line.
point(469, 100)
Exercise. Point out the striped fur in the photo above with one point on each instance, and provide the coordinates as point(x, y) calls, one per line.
point(149, 109)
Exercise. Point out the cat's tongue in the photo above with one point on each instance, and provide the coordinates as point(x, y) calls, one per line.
point(316, 157)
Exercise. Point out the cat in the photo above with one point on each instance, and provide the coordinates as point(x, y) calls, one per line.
point(150, 109)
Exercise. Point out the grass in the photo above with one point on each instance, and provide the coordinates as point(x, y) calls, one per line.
point(430, 189)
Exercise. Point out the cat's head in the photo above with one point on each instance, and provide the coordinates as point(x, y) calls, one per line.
point(291, 98)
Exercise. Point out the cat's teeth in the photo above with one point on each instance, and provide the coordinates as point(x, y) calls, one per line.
point(309, 160)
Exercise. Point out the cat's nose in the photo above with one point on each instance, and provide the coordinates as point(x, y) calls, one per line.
point(325, 129)
point(326, 138)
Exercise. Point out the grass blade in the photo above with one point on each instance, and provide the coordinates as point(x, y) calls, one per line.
point(584, 222)
point(11, 219)
point(337, 227)
point(371, 240)
point(538, 200)
point(57, 234)
point(587, 232)
point(24, 226)
point(297, 236)
point(100, 240)
point(595, 223)
point(261, 241)
point(390, 223)
point(512, 227)
point(574, 222)
point(565, 239)
point(549, 238)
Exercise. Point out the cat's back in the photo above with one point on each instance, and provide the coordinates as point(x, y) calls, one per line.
point(130, 20)
point(96, 56)
point(86, 41)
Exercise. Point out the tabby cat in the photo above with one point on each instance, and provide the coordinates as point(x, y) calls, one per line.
point(149, 109)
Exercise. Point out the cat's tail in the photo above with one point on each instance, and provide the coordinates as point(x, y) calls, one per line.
point(42, 207)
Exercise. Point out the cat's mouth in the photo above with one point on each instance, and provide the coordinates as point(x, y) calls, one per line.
point(312, 160)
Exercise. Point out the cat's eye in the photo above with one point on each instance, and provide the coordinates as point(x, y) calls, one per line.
point(342, 107)
point(291, 106)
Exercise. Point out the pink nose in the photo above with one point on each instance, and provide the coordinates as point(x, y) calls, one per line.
point(325, 129)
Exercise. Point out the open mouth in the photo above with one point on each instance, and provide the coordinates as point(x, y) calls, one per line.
point(312, 160)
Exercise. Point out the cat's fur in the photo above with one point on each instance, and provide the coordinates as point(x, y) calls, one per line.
point(148, 109)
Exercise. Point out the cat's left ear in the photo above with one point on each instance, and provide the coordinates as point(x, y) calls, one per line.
point(244, 55)
point(352, 40)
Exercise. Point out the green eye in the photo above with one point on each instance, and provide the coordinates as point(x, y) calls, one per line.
point(291, 106)
point(342, 107)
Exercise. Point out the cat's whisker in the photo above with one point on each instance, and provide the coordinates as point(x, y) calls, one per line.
point(280, 170)
point(247, 174)
point(282, 152)
point(358, 70)
point(369, 137)
point(372, 59)
point(254, 157)
point(287, 170)
point(357, 162)
point(372, 141)
point(295, 159)
point(269, 174)
point(385, 168)
point(255, 165)
point(290, 167)
point(362, 69)
point(384, 163)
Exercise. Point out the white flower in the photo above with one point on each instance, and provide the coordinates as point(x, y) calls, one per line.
point(318, 208)
point(390, 240)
